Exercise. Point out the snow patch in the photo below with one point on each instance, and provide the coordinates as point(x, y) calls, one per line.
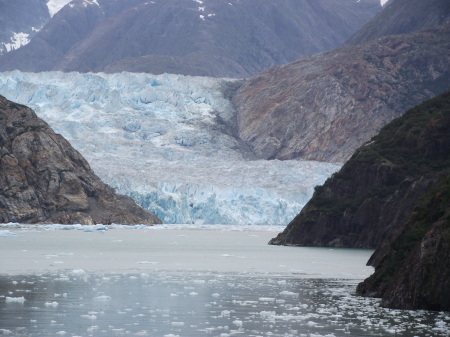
point(90, 2)
point(55, 5)
point(17, 40)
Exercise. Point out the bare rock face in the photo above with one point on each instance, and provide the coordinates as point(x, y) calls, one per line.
point(325, 106)
point(44, 180)
point(392, 195)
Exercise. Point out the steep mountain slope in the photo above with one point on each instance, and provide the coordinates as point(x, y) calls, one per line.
point(393, 193)
point(325, 106)
point(213, 37)
point(44, 180)
point(67, 27)
point(402, 17)
point(20, 20)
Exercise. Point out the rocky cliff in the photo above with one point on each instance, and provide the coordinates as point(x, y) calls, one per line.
point(325, 106)
point(392, 194)
point(413, 265)
point(403, 17)
point(44, 180)
point(209, 38)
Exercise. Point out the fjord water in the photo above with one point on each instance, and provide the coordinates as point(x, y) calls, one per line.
point(213, 281)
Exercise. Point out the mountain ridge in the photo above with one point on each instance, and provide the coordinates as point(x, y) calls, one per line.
point(325, 106)
point(212, 38)
point(403, 17)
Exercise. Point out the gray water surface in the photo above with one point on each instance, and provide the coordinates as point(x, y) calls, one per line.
point(189, 283)
point(200, 304)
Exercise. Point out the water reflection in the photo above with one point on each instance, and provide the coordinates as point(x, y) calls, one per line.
point(199, 304)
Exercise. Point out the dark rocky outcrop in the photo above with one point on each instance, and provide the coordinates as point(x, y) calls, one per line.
point(403, 17)
point(325, 106)
point(211, 38)
point(44, 180)
point(413, 265)
point(393, 194)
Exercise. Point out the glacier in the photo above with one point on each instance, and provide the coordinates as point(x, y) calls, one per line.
point(168, 142)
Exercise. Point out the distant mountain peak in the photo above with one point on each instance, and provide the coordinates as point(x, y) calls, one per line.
point(403, 17)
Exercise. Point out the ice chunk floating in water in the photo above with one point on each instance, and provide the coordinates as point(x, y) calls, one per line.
point(167, 141)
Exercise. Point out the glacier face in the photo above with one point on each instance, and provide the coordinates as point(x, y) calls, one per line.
point(167, 141)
